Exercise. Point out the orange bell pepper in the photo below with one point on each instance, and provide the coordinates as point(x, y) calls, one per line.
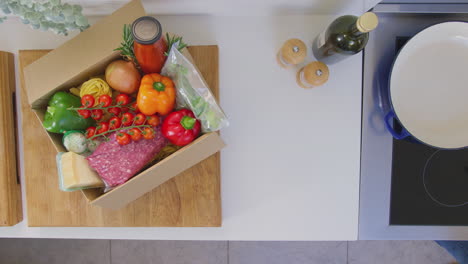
point(156, 95)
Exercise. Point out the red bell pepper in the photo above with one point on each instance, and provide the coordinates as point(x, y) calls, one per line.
point(181, 127)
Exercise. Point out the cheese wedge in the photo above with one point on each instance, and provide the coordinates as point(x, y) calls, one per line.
point(76, 172)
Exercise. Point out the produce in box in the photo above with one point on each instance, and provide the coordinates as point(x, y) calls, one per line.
point(131, 132)
point(75, 141)
point(156, 95)
point(123, 76)
point(181, 127)
point(59, 118)
point(131, 139)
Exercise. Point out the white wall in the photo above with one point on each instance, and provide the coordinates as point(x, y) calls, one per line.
point(233, 7)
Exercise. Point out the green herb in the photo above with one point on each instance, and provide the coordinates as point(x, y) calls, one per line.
point(46, 15)
point(126, 46)
point(171, 41)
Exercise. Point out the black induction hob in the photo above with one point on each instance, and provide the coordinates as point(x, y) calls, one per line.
point(429, 186)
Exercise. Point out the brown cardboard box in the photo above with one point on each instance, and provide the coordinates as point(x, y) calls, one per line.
point(85, 56)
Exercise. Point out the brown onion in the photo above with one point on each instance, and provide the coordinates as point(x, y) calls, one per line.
point(123, 76)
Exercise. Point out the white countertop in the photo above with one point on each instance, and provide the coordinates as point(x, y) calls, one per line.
point(291, 167)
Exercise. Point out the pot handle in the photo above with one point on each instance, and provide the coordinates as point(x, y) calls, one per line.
point(388, 121)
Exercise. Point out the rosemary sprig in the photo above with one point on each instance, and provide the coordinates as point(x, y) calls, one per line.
point(171, 41)
point(126, 46)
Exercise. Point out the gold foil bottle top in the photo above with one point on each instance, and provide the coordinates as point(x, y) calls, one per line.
point(367, 22)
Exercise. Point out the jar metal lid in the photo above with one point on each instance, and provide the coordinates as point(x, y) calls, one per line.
point(146, 30)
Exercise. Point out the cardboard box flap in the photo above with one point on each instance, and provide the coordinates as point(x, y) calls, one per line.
point(63, 66)
point(190, 155)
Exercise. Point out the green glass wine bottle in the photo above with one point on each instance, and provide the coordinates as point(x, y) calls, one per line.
point(345, 36)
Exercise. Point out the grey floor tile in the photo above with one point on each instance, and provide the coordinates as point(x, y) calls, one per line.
point(401, 252)
point(287, 252)
point(54, 251)
point(168, 252)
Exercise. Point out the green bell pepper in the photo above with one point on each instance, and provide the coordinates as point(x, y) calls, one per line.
point(59, 119)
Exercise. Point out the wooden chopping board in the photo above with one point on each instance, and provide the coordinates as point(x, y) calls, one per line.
point(10, 190)
point(191, 199)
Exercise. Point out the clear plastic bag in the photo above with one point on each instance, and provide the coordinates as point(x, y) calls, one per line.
point(192, 91)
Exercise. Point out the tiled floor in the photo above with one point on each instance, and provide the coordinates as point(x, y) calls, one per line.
point(51, 251)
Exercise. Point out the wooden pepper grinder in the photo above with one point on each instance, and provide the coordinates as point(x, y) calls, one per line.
point(312, 75)
point(291, 53)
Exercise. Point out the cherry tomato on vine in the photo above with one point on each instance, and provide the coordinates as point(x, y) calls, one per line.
point(127, 119)
point(90, 131)
point(105, 100)
point(135, 134)
point(139, 119)
point(114, 110)
point(148, 133)
point(125, 109)
point(102, 127)
point(84, 113)
point(123, 138)
point(153, 120)
point(87, 100)
point(115, 122)
point(134, 106)
point(123, 99)
point(97, 114)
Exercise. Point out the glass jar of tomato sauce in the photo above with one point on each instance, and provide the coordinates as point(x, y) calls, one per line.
point(149, 45)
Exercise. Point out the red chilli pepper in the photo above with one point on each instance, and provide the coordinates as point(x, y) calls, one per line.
point(181, 127)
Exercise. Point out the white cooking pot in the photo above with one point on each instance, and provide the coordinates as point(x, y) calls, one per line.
point(429, 87)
